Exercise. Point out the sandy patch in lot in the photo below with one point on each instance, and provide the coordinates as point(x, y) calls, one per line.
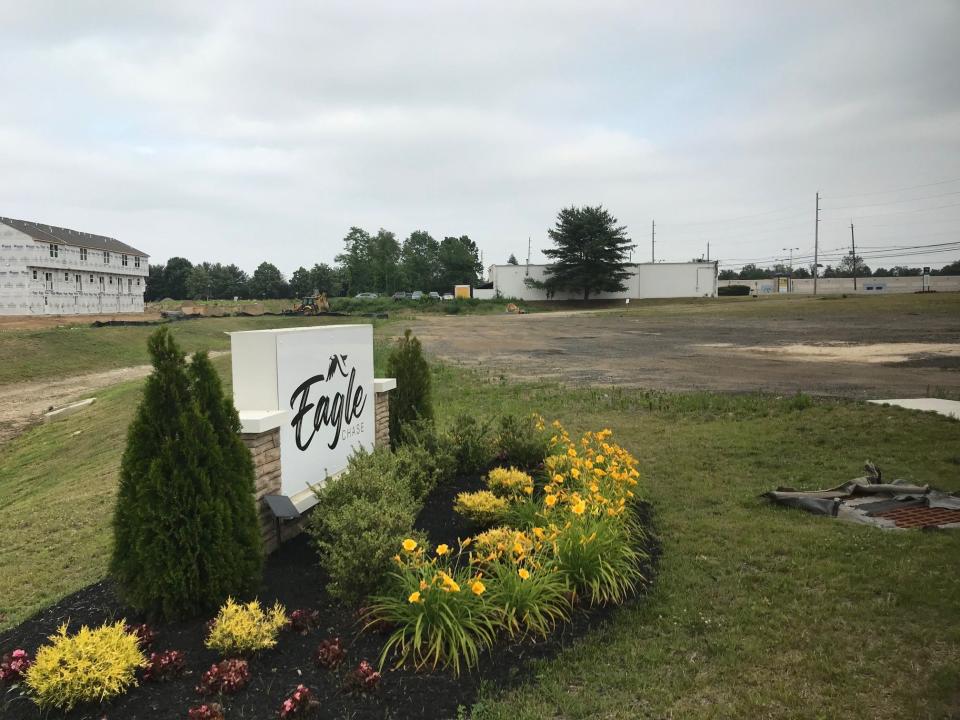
point(849, 352)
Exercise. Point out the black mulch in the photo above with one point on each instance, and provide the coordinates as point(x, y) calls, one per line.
point(293, 577)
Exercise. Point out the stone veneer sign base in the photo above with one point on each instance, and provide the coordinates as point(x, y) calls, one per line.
point(307, 400)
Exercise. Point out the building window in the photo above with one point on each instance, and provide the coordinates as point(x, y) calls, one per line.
point(66, 276)
point(54, 251)
point(83, 253)
point(91, 278)
point(111, 281)
point(136, 261)
point(129, 284)
point(106, 257)
point(123, 260)
point(138, 281)
point(48, 277)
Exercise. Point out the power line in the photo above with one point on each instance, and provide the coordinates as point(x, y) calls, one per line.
point(731, 219)
point(894, 202)
point(904, 212)
point(887, 192)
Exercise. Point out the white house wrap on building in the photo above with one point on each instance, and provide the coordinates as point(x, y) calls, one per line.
point(55, 271)
point(647, 280)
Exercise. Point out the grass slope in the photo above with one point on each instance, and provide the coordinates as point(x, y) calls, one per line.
point(757, 611)
point(27, 355)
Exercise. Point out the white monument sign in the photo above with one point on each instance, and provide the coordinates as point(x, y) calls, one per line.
point(321, 379)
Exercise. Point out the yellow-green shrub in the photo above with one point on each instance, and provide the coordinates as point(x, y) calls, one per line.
point(509, 482)
point(482, 506)
point(244, 629)
point(91, 666)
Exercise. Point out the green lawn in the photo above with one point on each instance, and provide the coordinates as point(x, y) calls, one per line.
point(27, 355)
point(757, 611)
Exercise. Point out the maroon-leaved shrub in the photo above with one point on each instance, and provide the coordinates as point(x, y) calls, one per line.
point(164, 665)
point(145, 635)
point(301, 703)
point(13, 666)
point(329, 653)
point(303, 621)
point(225, 677)
point(362, 679)
point(210, 711)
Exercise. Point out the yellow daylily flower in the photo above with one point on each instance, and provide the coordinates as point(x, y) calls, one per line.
point(414, 597)
point(409, 545)
point(523, 573)
point(478, 587)
point(442, 549)
point(551, 500)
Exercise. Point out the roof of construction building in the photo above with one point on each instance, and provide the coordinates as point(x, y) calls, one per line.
point(65, 236)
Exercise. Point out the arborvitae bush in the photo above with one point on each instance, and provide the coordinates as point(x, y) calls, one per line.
point(411, 400)
point(185, 526)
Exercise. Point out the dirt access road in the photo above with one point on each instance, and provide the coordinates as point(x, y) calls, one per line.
point(24, 404)
point(894, 352)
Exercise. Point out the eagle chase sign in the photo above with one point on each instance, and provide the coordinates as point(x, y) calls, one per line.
point(321, 380)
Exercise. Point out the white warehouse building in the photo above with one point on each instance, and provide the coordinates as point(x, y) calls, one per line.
point(647, 280)
point(55, 271)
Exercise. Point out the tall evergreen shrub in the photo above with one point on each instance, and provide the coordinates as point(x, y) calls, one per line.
point(411, 400)
point(185, 524)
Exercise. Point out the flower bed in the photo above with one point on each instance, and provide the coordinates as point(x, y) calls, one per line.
point(323, 657)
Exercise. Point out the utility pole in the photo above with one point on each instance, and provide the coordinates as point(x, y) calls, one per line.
point(790, 266)
point(653, 242)
point(853, 254)
point(816, 245)
point(708, 252)
point(528, 254)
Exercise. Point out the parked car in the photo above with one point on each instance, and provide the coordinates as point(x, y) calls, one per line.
point(448, 296)
point(401, 295)
point(366, 296)
point(416, 295)
point(434, 295)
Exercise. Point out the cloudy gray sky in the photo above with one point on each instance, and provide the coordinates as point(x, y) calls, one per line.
point(242, 132)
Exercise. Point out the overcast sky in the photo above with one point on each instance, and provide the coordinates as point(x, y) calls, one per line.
point(243, 132)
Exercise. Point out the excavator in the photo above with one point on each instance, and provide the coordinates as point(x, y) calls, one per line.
point(312, 305)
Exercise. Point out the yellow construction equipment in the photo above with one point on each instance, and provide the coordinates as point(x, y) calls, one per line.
point(312, 305)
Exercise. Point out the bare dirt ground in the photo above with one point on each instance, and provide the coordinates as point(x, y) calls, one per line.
point(38, 322)
point(870, 356)
point(25, 403)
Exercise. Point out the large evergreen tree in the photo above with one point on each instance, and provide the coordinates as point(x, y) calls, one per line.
point(185, 525)
point(590, 254)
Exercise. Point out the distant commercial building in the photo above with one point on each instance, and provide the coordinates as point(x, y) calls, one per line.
point(55, 271)
point(647, 280)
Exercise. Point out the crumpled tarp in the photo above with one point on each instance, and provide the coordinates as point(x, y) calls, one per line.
point(860, 499)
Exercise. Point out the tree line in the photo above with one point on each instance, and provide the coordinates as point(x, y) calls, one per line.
point(848, 267)
point(377, 263)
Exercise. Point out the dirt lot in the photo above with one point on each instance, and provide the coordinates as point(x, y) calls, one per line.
point(894, 352)
point(38, 322)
